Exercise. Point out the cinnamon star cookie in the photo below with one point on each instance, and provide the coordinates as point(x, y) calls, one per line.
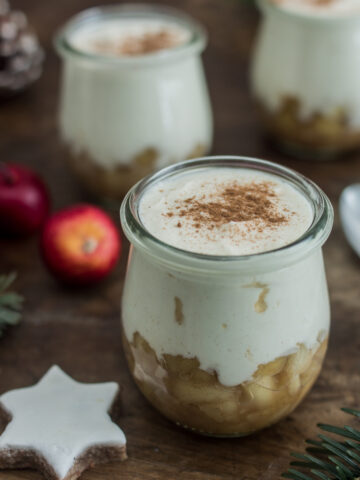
point(60, 427)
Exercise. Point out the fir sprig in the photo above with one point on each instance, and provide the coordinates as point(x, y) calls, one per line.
point(329, 458)
point(10, 302)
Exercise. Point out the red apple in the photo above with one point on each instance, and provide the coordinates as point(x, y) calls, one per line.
point(24, 200)
point(80, 244)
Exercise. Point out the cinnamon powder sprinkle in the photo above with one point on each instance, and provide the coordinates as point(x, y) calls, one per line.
point(149, 42)
point(139, 45)
point(251, 202)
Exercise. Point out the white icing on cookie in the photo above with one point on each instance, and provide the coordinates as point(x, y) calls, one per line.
point(60, 419)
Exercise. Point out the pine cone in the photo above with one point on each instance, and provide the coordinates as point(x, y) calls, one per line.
point(21, 56)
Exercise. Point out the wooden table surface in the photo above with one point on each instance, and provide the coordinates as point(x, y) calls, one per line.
point(80, 329)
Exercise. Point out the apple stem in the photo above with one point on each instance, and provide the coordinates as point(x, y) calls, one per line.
point(7, 174)
point(89, 245)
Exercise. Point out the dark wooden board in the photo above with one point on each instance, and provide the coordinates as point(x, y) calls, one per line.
point(80, 329)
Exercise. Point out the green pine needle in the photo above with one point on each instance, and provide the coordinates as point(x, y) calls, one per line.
point(329, 458)
point(10, 303)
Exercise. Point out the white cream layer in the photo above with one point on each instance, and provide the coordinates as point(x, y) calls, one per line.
point(330, 8)
point(118, 31)
point(221, 325)
point(317, 64)
point(233, 238)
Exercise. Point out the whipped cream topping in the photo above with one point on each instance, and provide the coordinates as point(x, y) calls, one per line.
point(224, 211)
point(331, 8)
point(123, 37)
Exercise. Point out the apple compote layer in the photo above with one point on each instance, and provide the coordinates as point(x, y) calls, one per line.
point(114, 182)
point(322, 134)
point(195, 399)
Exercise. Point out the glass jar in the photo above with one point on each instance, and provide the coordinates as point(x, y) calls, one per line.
point(305, 78)
point(225, 345)
point(122, 117)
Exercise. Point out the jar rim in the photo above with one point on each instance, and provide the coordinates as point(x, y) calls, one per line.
point(196, 43)
point(320, 20)
point(314, 237)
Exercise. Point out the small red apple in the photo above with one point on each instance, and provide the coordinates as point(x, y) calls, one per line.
point(24, 200)
point(80, 244)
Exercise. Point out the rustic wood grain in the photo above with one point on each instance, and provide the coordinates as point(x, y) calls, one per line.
point(79, 329)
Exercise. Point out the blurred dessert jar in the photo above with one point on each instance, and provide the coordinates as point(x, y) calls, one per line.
point(225, 306)
point(134, 96)
point(306, 74)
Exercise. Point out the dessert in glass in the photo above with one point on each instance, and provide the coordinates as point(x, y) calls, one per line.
point(225, 309)
point(134, 96)
point(306, 73)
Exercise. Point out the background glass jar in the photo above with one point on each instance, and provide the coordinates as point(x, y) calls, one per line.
point(305, 77)
point(225, 345)
point(123, 117)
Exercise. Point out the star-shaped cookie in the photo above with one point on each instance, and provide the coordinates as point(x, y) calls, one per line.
point(60, 426)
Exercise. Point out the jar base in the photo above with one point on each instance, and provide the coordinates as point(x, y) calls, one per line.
point(213, 435)
point(301, 152)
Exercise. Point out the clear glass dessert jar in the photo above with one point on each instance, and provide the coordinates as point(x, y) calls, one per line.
point(226, 345)
point(305, 78)
point(124, 116)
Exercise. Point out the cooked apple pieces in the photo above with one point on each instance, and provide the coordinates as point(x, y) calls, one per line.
point(326, 134)
point(195, 399)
